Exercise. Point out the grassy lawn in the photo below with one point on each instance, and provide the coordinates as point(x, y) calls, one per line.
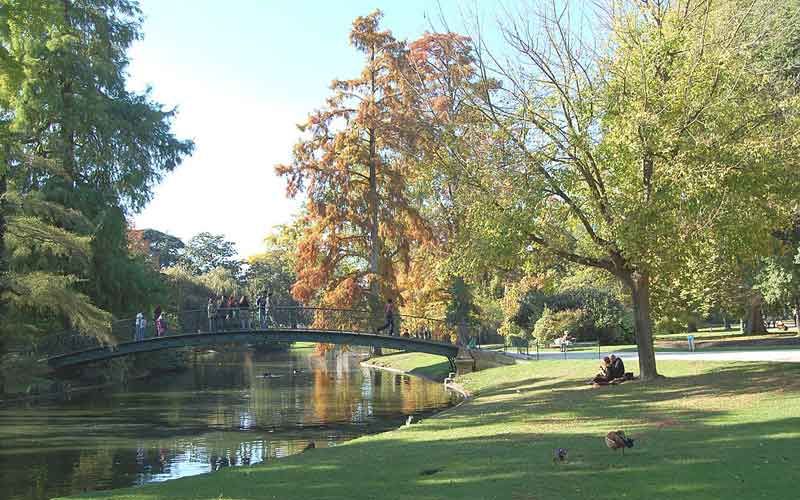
point(709, 431)
point(667, 343)
point(718, 333)
point(424, 365)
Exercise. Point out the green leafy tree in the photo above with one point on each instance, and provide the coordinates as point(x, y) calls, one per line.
point(778, 279)
point(553, 324)
point(187, 292)
point(274, 269)
point(165, 248)
point(462, 312)
point(121, 281)
point(65, 68)
point(221, 281)
point(205, 252)
point(80, 151)
point(35, 288)
point(634, 159)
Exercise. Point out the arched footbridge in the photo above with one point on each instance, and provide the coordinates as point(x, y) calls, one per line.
point(191, 329)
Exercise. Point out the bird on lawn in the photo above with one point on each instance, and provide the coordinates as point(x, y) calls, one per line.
point(560, 455)
point(616, 440)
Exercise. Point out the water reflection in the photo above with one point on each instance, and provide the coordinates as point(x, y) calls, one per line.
point(229, 410)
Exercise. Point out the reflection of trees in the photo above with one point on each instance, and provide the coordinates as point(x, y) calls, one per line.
point(189, 423)
point(333, 397)
point(92, 464)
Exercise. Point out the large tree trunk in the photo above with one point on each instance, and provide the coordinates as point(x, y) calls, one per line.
point(374, 235)
point(373, 202)
point(754, 321)
point(3, 261)
point(67, 116)
point(374, 232)
point(640, 293)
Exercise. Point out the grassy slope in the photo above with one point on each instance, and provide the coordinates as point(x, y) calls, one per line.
point(710, 431)
point(424, 365)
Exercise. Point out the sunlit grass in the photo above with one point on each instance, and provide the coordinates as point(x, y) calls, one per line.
point(709, 431)
point(425, 365)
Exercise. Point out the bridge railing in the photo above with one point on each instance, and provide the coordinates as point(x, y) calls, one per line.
point(225, 320)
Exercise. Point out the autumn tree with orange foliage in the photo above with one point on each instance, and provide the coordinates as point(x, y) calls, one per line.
point(437, 66)
point(360, 222)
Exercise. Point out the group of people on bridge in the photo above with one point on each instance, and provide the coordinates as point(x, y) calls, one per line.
point(233, 313)
point(140, 324)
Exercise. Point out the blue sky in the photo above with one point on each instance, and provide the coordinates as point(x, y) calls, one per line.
point(243, 73)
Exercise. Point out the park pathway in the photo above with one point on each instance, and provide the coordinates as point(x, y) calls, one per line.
point(775, 355)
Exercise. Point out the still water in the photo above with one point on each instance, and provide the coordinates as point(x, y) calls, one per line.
point(227, 410)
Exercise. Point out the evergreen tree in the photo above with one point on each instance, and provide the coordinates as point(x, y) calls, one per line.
point(81, 152)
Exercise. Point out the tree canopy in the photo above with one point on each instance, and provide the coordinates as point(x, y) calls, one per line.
point(359, 219)
point(662, 151)
point(80, 153)
point(673, 142)
point(205, 252)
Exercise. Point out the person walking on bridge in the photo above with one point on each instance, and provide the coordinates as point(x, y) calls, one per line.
point(222, 313)
point(230, 313)
point(212, 314)
point(156, 314)
point(161, 325)
point(269, 302)
point(261, 302)
point(389, 311)
point(244, 312)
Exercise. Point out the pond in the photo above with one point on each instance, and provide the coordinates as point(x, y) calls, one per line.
point(227, 410)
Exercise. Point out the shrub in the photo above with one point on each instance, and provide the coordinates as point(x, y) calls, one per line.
point(666, 326)
point(516, 341)
point(554, 324)
point(604, 315)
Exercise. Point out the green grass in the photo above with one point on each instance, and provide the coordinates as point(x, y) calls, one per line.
point(304, 345)
point(677, 342)
point(709, 431)
point(424, 365)
point(717, 333)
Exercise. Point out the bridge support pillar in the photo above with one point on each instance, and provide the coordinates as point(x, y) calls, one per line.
point(464, 362)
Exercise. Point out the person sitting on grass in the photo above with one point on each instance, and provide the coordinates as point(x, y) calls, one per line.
point(617, 369)
point(603, 377)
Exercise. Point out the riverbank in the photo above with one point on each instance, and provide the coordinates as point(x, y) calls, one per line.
point(427, 366)
point(710, 430)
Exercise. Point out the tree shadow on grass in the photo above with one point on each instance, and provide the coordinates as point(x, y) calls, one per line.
point(434, 371)
point(638, 405)
point(743, 461)
point(692, 443)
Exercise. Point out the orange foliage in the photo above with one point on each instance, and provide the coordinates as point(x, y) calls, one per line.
point(352, 171)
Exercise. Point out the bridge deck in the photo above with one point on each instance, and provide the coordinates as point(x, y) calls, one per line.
point(449, 351)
